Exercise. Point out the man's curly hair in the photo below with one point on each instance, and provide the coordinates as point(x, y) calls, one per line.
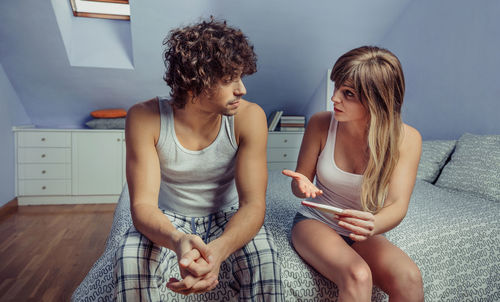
point(197, 57)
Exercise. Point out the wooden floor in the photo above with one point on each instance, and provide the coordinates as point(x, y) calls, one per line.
point(46, 251)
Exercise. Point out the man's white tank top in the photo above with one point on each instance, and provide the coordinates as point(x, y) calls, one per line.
point(196, 183)
point(340, 189)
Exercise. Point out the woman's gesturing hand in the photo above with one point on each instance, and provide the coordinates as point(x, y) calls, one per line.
point(302, 187)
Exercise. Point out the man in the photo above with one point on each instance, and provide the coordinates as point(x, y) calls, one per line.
point(197, 176)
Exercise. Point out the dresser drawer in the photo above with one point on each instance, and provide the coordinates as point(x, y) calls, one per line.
point(44, 155)
point(44, 171)
point(290, 165)
point(44, 187)
point(284, 140)
point(282, 154)
point(44, 139)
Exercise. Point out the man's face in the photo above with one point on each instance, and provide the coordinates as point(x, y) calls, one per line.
point(226, 96)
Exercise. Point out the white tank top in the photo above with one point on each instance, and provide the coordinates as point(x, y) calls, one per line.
point(340, 189)
point(196, 183)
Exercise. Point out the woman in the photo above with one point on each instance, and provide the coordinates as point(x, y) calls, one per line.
point(365, 161)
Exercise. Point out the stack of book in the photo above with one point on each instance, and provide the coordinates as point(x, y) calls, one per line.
point(274, 119)
point(292, 123)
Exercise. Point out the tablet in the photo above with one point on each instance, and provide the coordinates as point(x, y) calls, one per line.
point(322, 207)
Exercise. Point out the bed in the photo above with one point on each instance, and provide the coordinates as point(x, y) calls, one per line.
point(451, 231)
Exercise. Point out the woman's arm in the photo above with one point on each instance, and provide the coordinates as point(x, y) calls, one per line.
point(312, 143)
point(401, 183)
point(364, 224)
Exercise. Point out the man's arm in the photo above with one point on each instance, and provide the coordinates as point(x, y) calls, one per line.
point(251, 182)
point(143, 174)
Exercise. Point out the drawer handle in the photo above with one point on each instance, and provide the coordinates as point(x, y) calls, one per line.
point(43, 155)
point(284, 155)
point(43, 171)
point(117, 139)
point(44, 187)
point(43, 139)
point(285, 140)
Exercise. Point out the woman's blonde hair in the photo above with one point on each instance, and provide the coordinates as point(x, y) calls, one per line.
point(377, 77)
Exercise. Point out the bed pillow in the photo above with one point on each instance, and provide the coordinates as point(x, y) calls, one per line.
point(474, 166)
point(106, 123)
point(109, 113)
point(435, 153)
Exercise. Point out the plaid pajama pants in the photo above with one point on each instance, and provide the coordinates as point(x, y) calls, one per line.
point(143, 268)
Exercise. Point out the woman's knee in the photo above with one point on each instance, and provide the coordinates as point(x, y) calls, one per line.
point(408, 285)
point(358, 277)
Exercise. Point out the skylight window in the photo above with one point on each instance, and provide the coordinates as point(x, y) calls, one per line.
point(107, 9)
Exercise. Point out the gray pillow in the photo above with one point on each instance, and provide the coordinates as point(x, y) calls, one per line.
point(106, 123)
point(435, 153)
point(474, 166)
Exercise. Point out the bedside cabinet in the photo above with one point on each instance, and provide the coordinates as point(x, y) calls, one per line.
point(44, 163)
point(283, 150)
point(69, 166)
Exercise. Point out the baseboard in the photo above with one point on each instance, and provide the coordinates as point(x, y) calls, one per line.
point(75, 199)
point(8, 208)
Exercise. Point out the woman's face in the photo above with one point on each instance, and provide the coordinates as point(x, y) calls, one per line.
point(347, 105)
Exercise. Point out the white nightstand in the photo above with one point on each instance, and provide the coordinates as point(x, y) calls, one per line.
point(68, 166)
point(44, 163)
point(283, 150)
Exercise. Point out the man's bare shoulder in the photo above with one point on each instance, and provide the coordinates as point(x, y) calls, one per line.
point(250, 120)
point(248, 107)
point(249, 113)
point(144, 109)
point(144, 119)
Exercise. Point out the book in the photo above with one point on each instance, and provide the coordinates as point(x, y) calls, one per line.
point(299, 117)
point(271, 118)
point(292, 122)
point(292, 129)
point(287, 124)
point(274, 118)
point(293, 118)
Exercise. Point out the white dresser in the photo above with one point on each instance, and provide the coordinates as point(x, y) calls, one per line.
point(283, 150)
point(67, 166)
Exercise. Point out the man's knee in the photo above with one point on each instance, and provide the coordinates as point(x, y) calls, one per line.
point(259, 255)
point(136, 251)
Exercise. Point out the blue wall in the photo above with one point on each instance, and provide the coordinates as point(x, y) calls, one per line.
point(451, 55)
point(449, 51)
point(11, 113)
point(295, 45)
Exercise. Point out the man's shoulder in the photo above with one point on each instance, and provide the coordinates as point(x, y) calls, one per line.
point(143, 119)
point(250, 120)
point(248, 111)
point(248, 107)
point(145, 108)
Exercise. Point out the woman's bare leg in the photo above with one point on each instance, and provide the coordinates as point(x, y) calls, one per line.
point(392, 270)
point(329, 254)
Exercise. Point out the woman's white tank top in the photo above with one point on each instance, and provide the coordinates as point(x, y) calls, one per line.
point(340, 189)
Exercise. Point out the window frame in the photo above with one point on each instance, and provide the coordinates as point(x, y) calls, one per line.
point(108, 3)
